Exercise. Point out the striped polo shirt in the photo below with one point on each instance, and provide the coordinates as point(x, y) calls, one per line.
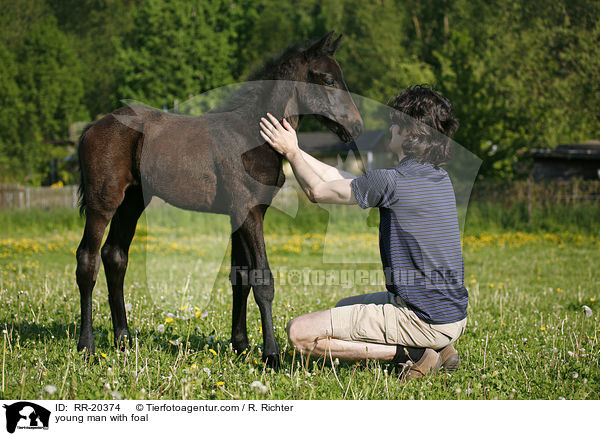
point(419, 238)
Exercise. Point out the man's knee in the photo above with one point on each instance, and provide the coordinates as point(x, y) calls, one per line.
point(294, 333)
point(300, 334)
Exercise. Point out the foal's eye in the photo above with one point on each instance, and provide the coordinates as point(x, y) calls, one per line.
point(329, 82)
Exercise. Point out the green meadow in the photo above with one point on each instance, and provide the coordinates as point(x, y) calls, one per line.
point(529, 334)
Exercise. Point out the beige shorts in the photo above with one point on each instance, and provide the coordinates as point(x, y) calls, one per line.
point(383, 318)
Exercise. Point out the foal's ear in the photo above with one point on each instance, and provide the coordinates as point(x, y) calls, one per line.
point(321, 47)
point(334, 46)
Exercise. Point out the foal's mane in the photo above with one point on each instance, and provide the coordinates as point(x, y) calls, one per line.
point(275, 67)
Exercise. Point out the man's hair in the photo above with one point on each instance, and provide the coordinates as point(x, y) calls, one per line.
point(427, 116)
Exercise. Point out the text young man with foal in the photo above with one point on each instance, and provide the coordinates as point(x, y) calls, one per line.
point(424, 308)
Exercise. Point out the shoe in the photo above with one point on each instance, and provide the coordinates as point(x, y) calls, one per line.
point(450, 358)
point(429, 364)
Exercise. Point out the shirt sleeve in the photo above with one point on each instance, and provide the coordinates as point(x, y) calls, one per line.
point(375, 188)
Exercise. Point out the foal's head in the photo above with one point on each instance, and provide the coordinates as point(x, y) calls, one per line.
point(318, 86)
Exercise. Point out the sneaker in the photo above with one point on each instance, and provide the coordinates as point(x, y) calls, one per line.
point(429, 364)
point(450, 358)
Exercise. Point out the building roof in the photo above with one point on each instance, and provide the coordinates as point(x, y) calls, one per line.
point(589, 150)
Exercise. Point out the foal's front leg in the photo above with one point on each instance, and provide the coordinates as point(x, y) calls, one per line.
point(261, 281)
point(241, 288)
point(264, 292)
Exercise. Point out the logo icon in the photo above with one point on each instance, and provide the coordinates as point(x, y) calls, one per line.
point(26, 415)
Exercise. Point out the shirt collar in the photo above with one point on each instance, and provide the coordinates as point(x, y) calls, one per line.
point(410, 165)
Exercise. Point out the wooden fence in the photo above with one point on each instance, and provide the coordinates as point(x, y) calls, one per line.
point(543, 194)
point(14, 196)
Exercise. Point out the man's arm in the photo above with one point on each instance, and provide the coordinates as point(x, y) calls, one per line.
point(318, 190)
point(326, 172)
point(320, 182)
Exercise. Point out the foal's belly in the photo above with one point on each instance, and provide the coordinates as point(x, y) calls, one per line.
point(197, 193)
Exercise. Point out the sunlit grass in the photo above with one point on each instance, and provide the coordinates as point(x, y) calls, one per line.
point(528, 335)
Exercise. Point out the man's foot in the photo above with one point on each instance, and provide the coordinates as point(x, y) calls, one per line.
point(450, 358)
point(429, 364)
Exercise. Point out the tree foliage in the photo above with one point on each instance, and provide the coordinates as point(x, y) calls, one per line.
point(520, 74)
point(176, 50)
point(43, 91)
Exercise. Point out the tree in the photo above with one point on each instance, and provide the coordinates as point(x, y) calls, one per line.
point(93, 25)
point(11, 112)
point(176, 50)
point(43, 93)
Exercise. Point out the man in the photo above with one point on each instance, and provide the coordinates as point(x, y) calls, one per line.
point(424, 308)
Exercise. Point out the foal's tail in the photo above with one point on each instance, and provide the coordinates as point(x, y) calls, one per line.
point(81, 190)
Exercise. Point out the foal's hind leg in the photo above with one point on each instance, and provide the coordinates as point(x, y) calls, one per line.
point(88, 262)
point(115, 254)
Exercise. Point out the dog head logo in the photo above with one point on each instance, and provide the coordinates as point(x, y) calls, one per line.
point(26, 415)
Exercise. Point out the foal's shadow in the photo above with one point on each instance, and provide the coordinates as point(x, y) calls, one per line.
point(34, 331)
point(55, 332)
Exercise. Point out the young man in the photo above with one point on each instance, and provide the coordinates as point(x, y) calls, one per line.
point(425, 307)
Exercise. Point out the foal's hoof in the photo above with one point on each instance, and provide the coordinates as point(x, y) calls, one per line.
point(122, 341)
point(240, 347)
point(86, 344)
point(272, 361)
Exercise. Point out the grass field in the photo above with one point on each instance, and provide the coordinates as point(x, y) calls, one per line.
point(528, 335)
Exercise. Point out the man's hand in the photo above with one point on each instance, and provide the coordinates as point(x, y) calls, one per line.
point(281, 137)
point(332, 189)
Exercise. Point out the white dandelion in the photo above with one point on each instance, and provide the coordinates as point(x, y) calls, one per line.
point(587, 311)
point(50, 389)
point(257, 386)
